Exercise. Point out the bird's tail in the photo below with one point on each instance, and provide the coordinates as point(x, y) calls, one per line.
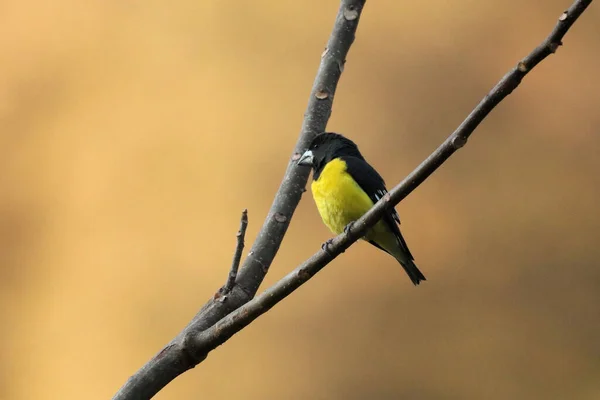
point(397, 248)
point(412, 271)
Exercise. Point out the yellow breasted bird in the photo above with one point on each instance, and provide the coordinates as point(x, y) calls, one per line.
point(345, 187)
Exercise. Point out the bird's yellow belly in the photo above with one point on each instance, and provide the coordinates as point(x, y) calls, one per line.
point(340, 200)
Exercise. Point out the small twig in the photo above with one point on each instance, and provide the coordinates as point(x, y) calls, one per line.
point(237, 256)
point(219, 333)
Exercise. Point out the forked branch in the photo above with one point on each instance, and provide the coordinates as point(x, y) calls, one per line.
point(180, 354)
point(219, 320)
point(237, 320)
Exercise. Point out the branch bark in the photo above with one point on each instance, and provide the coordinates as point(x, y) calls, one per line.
point(180, 354)
point(209, 339)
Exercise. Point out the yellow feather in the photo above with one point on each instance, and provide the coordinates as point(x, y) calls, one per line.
point(340, 200)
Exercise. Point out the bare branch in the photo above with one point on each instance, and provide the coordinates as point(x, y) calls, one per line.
point(180, 355)
point(194, 343)
point(237, 256)
point(211, 338)
point(315, 121)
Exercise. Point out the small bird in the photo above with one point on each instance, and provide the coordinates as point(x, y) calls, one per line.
point(345, 187)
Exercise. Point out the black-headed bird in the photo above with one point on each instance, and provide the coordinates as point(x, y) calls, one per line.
point(345, 187)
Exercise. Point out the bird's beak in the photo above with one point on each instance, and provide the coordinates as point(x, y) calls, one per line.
point(306, 159)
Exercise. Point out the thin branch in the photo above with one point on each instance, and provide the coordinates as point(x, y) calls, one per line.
point(237, 256)
point(237, 320)
point(180, 355)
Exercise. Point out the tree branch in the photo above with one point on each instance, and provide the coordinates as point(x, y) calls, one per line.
point(180, 354)
point(237, 256)
point(219, 333)
point(202, 335)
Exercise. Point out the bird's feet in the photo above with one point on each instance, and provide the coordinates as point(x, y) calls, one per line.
point(325, 246)
point(348, 227)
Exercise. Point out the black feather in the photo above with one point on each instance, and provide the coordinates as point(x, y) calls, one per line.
point(374, 186)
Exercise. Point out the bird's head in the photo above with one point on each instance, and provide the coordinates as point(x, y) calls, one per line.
point(326, 147)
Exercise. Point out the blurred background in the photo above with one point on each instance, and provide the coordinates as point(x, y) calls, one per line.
point(133, 133)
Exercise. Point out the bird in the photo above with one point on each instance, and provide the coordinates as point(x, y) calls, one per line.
point(344, 187)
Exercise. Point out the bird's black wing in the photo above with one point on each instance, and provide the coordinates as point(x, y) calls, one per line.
point(374, 186)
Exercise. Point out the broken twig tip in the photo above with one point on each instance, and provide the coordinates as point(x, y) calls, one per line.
point(458, 142)
point(321, 94)
point(564, 16)
point(554, 46)
point(279, 217)
point(350, 13)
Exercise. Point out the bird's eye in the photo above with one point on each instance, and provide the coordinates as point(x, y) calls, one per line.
point(314, 146)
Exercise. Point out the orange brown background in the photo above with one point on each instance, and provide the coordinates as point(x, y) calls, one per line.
point(133, 133)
